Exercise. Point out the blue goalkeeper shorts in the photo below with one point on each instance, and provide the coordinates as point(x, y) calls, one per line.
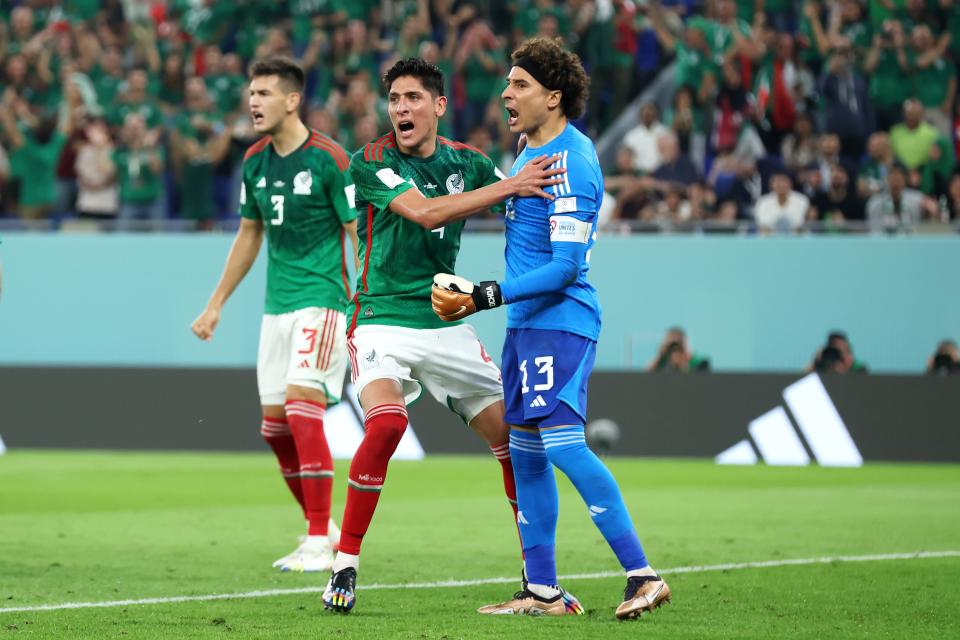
point(545, 376)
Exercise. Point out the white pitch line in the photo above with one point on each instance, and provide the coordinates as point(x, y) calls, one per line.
point(445, 584)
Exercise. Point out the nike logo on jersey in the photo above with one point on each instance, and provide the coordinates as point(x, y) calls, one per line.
point(538, 402)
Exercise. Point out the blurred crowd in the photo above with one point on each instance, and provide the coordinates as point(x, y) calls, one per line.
point(674, 355)
point(136, 109)
point(784, 114)
point(791, 115)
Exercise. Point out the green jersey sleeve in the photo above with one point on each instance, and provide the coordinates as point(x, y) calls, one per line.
point(377, 183)
point(342, 192)
point(248, 206)
point(487, 173)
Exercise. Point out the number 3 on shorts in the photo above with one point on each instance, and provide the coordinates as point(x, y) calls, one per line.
point(545, 367)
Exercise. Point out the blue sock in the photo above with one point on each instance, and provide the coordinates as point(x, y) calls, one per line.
point(566, 448)
point(537, 505)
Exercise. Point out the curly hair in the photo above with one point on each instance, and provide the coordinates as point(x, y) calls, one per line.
point(563, 71)
point(429, 75)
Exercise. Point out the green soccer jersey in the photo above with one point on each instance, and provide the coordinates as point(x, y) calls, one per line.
point(400, 257)
point(303, 199)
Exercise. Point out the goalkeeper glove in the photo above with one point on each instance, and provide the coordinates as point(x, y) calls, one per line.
point(454, 297)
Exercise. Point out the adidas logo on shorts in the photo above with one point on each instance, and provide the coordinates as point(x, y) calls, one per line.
point(538, 402)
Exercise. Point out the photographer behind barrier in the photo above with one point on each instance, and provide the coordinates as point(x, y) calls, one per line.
point(836, 356)
point(945, 360)
point(674, 355)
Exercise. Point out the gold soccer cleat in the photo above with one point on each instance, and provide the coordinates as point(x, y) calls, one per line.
point(527, 603)
point(643, 593)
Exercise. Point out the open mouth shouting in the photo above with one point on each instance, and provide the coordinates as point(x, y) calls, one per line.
point(512, 116)
point(405, 128)
point(257, 117)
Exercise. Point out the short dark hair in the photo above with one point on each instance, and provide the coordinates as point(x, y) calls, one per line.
point(284, 68)
point(562, 70)
point(428, 74)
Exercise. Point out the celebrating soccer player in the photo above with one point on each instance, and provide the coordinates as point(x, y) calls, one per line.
point(553, 323)
point(414, 188)
point(296, 186)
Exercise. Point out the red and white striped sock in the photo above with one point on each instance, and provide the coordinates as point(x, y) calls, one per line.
point(277, 434)
point(316, 463)
point(385, 425)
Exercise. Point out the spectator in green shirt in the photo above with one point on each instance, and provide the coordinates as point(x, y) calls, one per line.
point(172, 79)
point(443, 58)
point(135, 99)
point(200, 142)
point(887, 66)
point(695, 64)
point(107, 75)
point(934, 78)
point(480, 61)
point(225, 85)
point(139, 162)
point(35, 145)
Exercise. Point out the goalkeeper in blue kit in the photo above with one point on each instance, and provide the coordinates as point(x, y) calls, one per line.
point(553, 322)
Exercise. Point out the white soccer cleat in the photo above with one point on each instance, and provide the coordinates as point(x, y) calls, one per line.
point(290, 556)
point(311, 557)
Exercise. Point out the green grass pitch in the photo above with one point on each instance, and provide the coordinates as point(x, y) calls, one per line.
point(107, 526)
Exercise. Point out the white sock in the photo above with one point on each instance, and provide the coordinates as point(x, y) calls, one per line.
point(344, 560)
point(645, 571)
point(544, 591)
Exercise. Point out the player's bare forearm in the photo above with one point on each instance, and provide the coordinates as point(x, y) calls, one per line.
point(243, 253)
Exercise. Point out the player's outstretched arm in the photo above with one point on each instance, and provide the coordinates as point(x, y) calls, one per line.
point(433, 213)
point(243, 253)
point(453, 297)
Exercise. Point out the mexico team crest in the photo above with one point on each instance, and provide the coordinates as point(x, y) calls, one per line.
point(454, 183)
point(302, 183)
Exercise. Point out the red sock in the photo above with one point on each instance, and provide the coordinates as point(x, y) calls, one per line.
point(502, 454)
point(385, 425)
point(277, 434)
point(316, 463)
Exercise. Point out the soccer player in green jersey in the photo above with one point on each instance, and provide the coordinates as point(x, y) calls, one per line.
point(297, 190)
point(414, 188)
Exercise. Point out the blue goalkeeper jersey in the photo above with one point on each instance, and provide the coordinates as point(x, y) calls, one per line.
point(537, 228)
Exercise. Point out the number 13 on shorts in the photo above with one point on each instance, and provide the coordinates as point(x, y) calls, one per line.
point(544, 368)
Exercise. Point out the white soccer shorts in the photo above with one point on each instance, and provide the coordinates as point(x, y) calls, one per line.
point(450, 362)
point(306, 348)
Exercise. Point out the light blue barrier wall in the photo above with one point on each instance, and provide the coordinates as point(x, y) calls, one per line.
point(748, 303)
